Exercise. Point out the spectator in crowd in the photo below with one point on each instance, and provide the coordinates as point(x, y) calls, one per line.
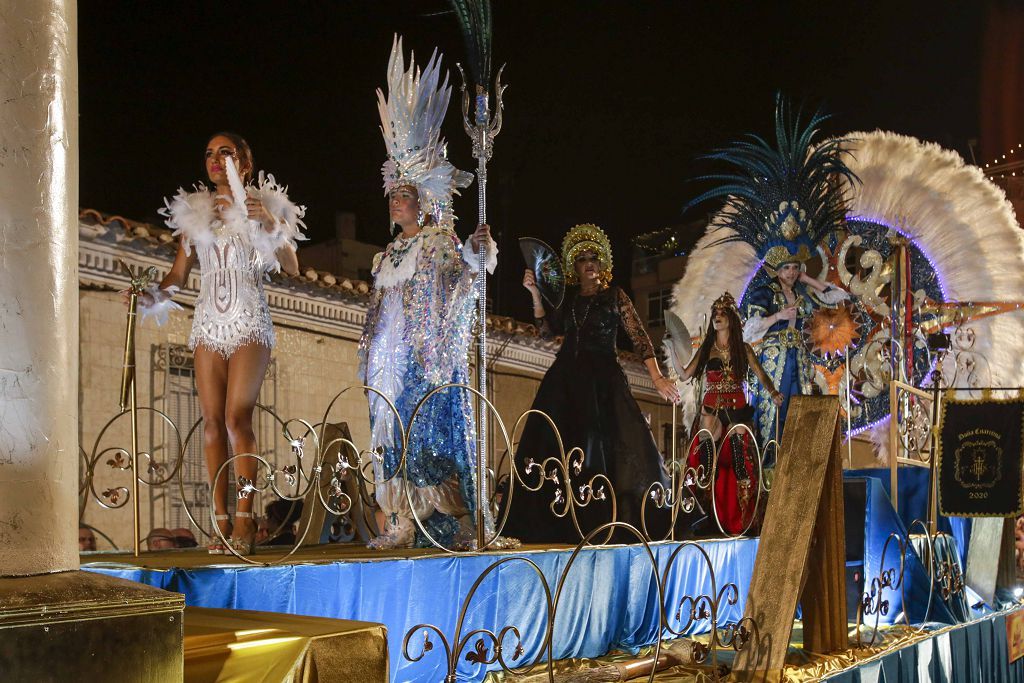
point(183, 538)
point(279, 522)
point(86, 539)
point(160, 539)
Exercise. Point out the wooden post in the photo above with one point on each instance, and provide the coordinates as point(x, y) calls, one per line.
point(802, 552)
point(824, 595)
point(894, 446)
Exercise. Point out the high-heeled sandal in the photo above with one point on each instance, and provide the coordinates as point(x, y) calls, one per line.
point(216, 546)
point(244, 546)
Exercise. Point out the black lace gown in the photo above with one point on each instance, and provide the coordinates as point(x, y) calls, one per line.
point(587, 395)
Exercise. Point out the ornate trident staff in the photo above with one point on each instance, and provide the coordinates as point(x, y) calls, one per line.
point(481, 127)
point(138, 282)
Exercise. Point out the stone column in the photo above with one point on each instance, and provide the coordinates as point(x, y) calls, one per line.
point(38, 286)
point(55, 623)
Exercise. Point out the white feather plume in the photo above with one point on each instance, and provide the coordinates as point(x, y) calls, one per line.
point(411, 116)
point(162, 304)
point(960, 220)
point(962, 223)
point(238, 193)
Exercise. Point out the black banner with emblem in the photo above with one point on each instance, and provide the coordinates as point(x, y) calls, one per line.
point(979, 457)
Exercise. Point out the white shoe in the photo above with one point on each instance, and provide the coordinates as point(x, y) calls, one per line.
point(398, 534)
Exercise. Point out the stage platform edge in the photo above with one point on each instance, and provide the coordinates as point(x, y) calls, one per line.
point(610, 599)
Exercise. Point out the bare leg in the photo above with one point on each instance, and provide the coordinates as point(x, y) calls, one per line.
point(246, 369)
point(211, 382)
point(712, 424)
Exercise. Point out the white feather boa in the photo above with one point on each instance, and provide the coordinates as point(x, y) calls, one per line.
point(386, 367)
point(959, 219)
point(288, 227)
point(192, 215)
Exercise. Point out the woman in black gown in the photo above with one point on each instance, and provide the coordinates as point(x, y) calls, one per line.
point(587, 396)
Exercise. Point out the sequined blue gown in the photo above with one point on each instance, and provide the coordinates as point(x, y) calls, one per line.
point(415, 340)
point(782, 353)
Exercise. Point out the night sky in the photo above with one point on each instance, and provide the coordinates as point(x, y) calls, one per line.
point(608, 103)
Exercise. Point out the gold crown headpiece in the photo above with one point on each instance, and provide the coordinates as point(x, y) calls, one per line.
point(586, 237)
point(726, 302)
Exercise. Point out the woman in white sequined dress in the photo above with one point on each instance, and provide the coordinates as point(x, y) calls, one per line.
point(236, 242)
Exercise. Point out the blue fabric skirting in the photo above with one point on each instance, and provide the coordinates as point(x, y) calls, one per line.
point(975, 652)
point(609, 600)
point(913, 483)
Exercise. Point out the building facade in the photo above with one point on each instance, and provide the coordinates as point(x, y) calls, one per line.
point(659, 260)
point(342, 255)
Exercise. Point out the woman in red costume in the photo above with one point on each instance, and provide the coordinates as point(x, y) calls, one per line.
point(722, 362)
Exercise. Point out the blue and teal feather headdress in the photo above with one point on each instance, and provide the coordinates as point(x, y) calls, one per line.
point(782, 200)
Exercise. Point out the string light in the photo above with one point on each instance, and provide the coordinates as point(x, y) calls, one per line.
point(996, 161)
point(863, 428)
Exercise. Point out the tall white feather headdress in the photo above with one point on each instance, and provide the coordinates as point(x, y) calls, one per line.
point(411, 116)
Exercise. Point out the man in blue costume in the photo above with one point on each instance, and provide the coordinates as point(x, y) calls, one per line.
point(418, 324)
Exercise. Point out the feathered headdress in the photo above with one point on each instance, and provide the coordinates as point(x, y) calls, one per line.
point(782, 200)
point(411, 117)
point(475, 21)
point(586, 237)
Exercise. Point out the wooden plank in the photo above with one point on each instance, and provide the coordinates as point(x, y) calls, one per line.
point(823, 600)
point(1007, 574)
point(313, 512)
point(809, 448)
